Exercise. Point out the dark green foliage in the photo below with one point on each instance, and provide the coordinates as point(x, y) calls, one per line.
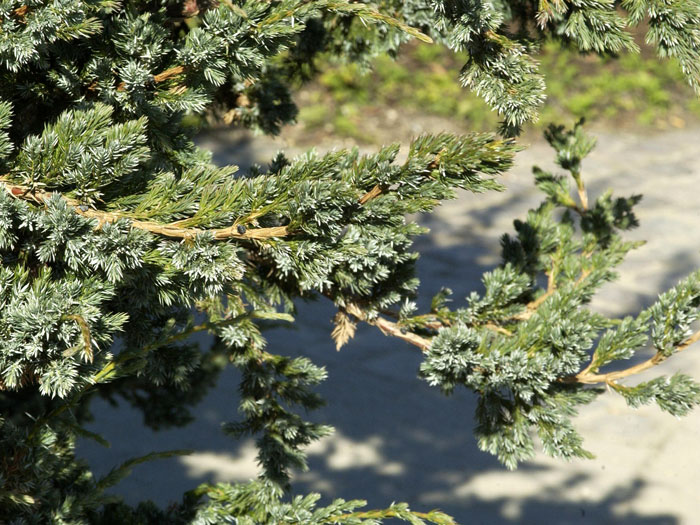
point(268, 381)
point(120, 239)
point(82, 152)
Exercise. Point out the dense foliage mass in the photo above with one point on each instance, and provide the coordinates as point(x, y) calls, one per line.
point(120, 238)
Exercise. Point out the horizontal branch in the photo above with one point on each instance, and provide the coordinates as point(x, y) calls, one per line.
point(496, 328)
point(377, 190)
point(173, 230)
point(167, 230)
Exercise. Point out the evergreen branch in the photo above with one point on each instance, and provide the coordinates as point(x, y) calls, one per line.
point(167, 230)
point(444, 323)
point(659, 357)
point(548, 11)
point(361, 10)
point(124, 157)
point(378, 189)
point(551, 288)
point(109, 370)
point(532, 306)
point(178, 229)
point(439, 324)
point(160, 77)
point(118, 473)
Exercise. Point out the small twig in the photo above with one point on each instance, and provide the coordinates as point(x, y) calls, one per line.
point(371, 194)
point(658, 358)
point(584, 273)
point(85, 332)
point(551, 288)
point(374, 514)
point(435, 325)
point(390, 328)
point(160, 77)
point(436, 161)
point(532, 306)
point(377, 190)
point(496, 328)
point(581, 189)
point(584, 197)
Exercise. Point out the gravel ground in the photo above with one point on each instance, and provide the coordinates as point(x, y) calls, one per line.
point(399, 440)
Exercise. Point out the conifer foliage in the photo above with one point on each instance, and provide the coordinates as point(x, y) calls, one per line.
point(120, 239)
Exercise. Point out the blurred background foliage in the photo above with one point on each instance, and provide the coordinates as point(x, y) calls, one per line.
point(634, 92)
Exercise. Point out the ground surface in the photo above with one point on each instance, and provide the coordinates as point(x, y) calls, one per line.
point(399, 440)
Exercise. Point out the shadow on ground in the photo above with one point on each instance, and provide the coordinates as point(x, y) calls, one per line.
point(396, 438)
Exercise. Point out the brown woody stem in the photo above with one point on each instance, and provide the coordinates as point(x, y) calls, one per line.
point(371, 194)
point(390, 328)
point(85, 333)
point(587, 378)
point(581, 189)
point(160, 77)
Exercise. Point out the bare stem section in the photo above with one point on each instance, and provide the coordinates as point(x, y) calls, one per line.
point(390, 328)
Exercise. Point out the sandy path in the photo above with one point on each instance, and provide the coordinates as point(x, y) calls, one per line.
point(399, 440)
